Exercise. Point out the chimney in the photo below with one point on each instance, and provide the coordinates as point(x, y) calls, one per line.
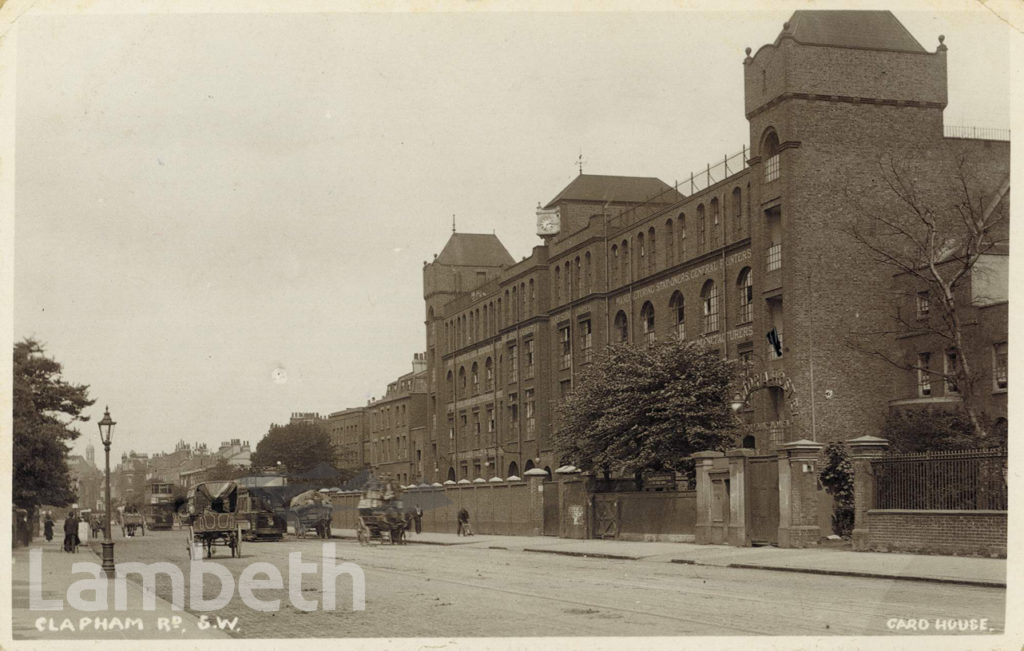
point(419, 362)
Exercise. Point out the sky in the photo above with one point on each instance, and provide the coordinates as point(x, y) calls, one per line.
point(221, 219)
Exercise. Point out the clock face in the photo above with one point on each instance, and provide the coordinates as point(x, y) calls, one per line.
point(548, 223)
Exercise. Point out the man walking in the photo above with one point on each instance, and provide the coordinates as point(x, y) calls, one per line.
point(71, 540)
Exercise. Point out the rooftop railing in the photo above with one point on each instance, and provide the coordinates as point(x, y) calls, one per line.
point(976, 133)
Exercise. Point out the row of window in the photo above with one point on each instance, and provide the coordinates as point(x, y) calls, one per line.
point(925, 371)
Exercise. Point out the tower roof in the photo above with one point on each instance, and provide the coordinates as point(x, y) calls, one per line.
point(872, 30)
point(475, 250)
point(628, 189)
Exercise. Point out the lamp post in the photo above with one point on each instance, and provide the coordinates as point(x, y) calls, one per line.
point(106, 428)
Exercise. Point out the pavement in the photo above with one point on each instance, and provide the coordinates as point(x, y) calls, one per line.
point(57, 574)
point(837, 560)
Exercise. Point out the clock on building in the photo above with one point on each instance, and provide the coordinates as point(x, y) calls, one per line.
point(548, 222)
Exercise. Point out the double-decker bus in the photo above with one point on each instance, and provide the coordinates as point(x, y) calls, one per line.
point(160, 506)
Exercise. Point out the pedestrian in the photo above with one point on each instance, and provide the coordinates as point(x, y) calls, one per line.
point(463, 529)
point(417, 518)
point(71, 540)
point(48, 527)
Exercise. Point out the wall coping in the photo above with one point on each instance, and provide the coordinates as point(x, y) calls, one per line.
point(924, 512)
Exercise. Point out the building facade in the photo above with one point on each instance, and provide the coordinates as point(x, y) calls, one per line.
point(759, 262)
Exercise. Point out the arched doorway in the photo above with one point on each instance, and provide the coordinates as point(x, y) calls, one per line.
point(513, 469)
point(547, 469)
point(529, 465)
point(451, 474)
point(749, 442)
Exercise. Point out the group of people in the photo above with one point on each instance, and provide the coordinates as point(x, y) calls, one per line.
point(71, 539)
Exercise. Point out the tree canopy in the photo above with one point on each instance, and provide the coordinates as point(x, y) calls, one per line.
point(45, 406)
point(298, 446)
point(651, 407)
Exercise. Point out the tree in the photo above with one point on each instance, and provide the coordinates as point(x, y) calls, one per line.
point(933, 239)
point(223, 470)
point(647, 407)
point(297, 446)
point(44, 409)
point(837, 477)
point(926, 430)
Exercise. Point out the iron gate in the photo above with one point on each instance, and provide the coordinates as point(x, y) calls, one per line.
point(763, 483)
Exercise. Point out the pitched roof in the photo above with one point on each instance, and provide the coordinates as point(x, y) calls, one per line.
point(630, 189)
point(474, 250)
point(873, 30)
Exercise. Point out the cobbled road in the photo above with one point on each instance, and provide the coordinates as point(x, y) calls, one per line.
point(418, 590)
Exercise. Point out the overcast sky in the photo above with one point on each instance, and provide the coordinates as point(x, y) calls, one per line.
point(204, 199)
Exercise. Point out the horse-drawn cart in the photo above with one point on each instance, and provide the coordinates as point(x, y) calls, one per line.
point(132, 522)
point(381, 516)
point(215, 520)
point(311, 511)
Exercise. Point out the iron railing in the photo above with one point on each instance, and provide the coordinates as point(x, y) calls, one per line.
point(712, 174)
point(957, 480)
point(975, 133)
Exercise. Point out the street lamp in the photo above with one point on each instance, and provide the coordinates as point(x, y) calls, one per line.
point(106, 428)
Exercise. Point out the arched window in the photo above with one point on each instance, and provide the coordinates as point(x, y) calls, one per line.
point(532, 307)
point(558, 284)
point(529, 465)
point(514, 308)
point(475, 378)
point(682, 236)
point(588, 280)
point(709, 297)
point(451, 473)
point(469, 333)
point(522, 300)
point(625, 261)
point(504, 314)
point(621, 327)
point(462, 379)
point(647, 321)
point(502, 322)
point(652, 253)
point(715, 218)
point(568, 281)
point(641, 255)
point(448, 382)
point(745, 285)
point(670, 253)
point(770, 155)
point(702, 227)
point(576, 276)
point(737, 211)
point(513, 469)
point(614, 265)
point(677, 306)
point(488, 374)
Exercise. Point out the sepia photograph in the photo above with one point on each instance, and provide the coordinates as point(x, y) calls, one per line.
point(493, 325)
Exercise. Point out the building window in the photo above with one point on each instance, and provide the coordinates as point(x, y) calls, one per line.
point(615, 264)
point(746, 291)
point(709, 297)
point(625, 261)
point(715, 214)
point(558, 284)
point(531, 419)
point(737, 211)
point(746, 357)
point(475, 378)
point(588, 278)
point(652, 257)
point(489, 374)
point(528, 359)
point(513, 364)
point(924, 376)
point(678, 308)
point(950, 372)
point(670, 253)
point(462, 379)
point(702, 227)
point(476, 429)
point(999, 366)
point(647, 321)
point(577, 276)
point(923, 305)
point(621, 327)
point(641, 254)
point(586, 340)
point(513, 410)
point(773, 259)
point(770, 154)
point(682, 236)
point(490, 420)
point(564, 339)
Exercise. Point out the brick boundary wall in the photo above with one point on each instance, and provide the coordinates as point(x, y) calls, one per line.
point(957, 533)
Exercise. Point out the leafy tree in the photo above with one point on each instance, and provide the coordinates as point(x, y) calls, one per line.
point(224, 470)
point(924, 430)
point(45, 407)
point(647, 407)
point(298, 446)
point(934, 239)
point(837, 477)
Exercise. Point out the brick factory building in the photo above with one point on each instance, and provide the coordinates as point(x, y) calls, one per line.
point(755, 258)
